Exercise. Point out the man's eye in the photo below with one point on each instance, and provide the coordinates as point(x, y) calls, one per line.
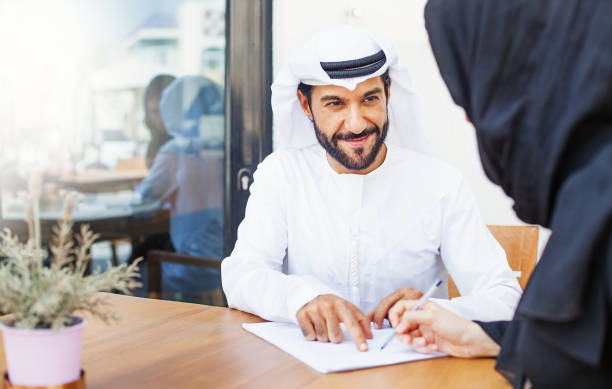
point(333, 104)
point(371, 98)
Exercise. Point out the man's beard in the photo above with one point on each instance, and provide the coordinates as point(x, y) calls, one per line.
point(360, 160)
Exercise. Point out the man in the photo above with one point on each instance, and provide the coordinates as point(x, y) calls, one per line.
point(343, 220)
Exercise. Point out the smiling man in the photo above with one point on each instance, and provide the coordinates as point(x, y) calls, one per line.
point(351, 213)
point(353, 139)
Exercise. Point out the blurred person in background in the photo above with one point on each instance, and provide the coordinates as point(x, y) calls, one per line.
point(153, 120)
point(159, 136)
point(187, 175)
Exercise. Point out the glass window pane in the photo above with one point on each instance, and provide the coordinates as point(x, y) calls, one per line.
point(122, 101)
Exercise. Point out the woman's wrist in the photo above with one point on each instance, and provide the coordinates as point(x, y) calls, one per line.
point(480, 344)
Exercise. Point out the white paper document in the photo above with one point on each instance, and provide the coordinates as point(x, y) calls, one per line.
point(331, 357)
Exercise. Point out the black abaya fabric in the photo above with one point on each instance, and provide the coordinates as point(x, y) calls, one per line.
point(535, 79)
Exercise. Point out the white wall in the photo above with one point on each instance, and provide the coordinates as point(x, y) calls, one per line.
point(452, 137)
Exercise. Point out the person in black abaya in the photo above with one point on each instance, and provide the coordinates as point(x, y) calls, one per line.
point(535, 79)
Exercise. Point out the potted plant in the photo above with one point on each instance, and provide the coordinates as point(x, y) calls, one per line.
point(42, 335)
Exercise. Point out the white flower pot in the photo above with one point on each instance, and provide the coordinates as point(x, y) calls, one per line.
point(43, 357)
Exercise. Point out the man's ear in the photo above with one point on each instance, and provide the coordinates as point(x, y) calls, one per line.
point(304, 104)
point(389, 89)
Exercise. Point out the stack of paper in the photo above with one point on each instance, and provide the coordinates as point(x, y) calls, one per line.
point(330, 357)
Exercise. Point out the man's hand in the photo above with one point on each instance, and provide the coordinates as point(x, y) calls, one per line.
point(433, 328)
point(379, 313)
point(320, 320)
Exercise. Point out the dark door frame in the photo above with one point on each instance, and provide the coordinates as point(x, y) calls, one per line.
point(248, 123)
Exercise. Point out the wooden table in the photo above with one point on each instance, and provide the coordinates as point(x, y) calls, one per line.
point(102, 180)
point(164, 344)
point(110, 215)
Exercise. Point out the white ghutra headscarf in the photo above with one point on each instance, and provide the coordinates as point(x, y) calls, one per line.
point(344, 56)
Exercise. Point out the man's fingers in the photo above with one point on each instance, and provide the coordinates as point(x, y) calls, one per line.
point(320, 327)
point(371, 315)
point(353, 326)
point(306, 327)
point(334, 331)
point(409, 304)
point(407, 293)
point(365, 325)
point(380, 312)
point(363, 321)
point(356, 331)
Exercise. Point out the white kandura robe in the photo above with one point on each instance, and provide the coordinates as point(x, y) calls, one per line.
point(309, 230)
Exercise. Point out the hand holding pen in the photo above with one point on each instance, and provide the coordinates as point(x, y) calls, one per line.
point(435, 329)
point(418, 305)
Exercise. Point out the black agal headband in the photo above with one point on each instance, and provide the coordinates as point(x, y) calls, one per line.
point(355, 67)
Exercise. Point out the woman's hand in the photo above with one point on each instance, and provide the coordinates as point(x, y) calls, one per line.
point(433, 328)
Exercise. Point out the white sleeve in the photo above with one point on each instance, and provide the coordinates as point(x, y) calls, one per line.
point(489, 289)
point(252, 275)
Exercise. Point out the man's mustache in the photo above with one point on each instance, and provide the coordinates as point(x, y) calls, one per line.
point(351, 135)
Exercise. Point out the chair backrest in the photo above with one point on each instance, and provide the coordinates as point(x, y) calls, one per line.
point(521, 246)
point(155, 258)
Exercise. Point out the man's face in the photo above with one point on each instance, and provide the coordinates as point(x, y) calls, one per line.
point(350, 125)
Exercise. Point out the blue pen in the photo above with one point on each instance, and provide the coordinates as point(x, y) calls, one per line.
point(421, 301)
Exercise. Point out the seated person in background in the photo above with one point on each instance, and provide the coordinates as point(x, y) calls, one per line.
point(343, 220)
point(188, 174)
point(159, 136)
point(539, 94)
point(153, 120)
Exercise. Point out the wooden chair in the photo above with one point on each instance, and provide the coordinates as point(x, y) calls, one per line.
point(126, 164)
point(521, 246)
point(154, 260)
